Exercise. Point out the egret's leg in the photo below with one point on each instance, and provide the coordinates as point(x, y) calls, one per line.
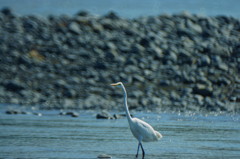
point(137, 150)
point(143, 152)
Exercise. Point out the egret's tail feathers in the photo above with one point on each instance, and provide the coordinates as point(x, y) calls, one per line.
point(159, 136)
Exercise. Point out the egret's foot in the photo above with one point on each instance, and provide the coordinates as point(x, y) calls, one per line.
point(136, 155)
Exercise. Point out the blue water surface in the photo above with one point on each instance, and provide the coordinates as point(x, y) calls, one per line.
point(125, 8)
point(53, 136)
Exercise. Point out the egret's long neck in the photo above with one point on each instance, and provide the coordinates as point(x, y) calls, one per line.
point(125, 103)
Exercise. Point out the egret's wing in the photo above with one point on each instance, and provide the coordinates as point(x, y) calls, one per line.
point(143, 131)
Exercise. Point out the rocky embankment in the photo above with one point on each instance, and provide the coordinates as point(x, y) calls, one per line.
point(167, 62)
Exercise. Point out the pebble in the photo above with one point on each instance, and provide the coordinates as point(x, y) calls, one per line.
point(104, 156)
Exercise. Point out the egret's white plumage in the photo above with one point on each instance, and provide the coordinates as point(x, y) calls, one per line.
point(141, 130)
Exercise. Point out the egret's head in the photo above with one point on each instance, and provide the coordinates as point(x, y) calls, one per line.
point(116, 84)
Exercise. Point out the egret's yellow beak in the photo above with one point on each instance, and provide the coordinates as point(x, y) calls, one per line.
point(115, 84)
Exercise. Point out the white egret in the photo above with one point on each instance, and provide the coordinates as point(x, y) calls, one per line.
point(141, 130)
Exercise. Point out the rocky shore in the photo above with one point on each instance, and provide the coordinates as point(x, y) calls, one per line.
point(167, 62)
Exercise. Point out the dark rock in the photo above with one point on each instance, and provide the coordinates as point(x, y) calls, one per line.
point(202, 90)
point(111, 55)
point(188, 79)
point(37, 114)
point(104, 156)
point(100, 65)
point(174, 96)
point(13, 112)
point(186, 91)
point(203, 80)
point(138, 49)
point(223, 67)
point(74, 27)
point(14, 86)
point(185, 32)
point(185, 57)
point(170, 58)
point(138, 78)
point(136, 94)
point(104, 115)
point(108, 24)
point(62, 113)
point(223, 81)
point(222, 106)
point(210, 104)
point(72, 114)
point(234, 99)
point(112, 15)
point(196, 28)
point(144, 42)
point(157, 52)
point(119, 116)
point(83, 13)
point(164, 83)
point(70, 93)
point(131, 68)
point(204, 61)
point(216, 60)
point(7, 11)
point(199, 99)
point(30, 25)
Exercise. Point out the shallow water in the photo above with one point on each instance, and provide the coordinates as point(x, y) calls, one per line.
point(53, 136)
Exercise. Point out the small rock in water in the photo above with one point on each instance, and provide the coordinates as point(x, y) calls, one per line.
point(72, 114)
point(62, 113)
point(119, 116)
point(26, 113)
point(104, 115)
point(37, 114)
point(12, 111)
point(104, 156)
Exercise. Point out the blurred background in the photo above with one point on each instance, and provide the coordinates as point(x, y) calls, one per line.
point(171, 54)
